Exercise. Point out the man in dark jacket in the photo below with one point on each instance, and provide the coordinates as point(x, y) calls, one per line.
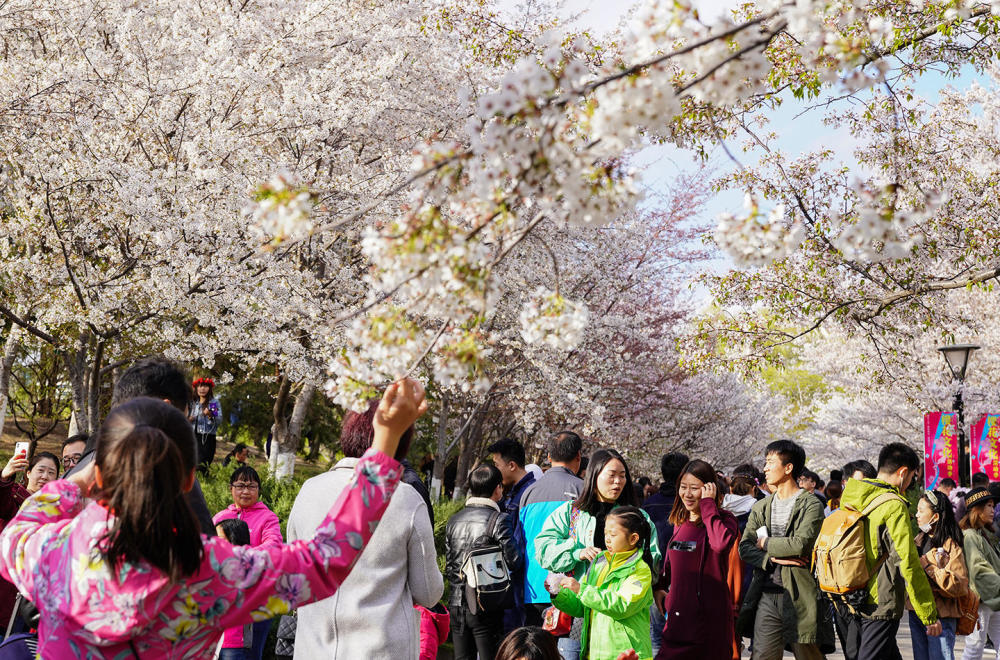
point(474, 631)
point(660, 504)
point(508, 457)
point(783, 605)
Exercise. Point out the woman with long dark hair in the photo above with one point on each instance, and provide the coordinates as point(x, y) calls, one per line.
point(573, 534)
point(128, 574)
point(942, 555)
point(699, 604)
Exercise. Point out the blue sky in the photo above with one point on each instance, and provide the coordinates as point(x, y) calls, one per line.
point(799, 133)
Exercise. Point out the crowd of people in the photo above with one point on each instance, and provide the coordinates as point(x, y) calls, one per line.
point(121, 558)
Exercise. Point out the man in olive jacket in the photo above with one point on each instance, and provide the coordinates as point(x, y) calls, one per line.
point(782, 605)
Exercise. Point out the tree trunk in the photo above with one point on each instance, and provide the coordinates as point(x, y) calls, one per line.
point(288, 431)
point(467, 455)
point(6, 364)
point(94, 393)
point(76, 367)
point(441, 452)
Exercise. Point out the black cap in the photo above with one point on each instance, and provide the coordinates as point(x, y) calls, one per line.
point(979, 495)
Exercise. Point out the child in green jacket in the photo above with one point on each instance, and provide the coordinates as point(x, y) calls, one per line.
point(616, 592)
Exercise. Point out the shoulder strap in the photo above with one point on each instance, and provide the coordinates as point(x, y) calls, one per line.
point(574, 515)
point(879, 500)
point(13, 615)
point(131, 645)
point(491, 526)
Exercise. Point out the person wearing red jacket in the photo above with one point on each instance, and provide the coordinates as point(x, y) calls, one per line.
point(699, 604)
point(434, 626)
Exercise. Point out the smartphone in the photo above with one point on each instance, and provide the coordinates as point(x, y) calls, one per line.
point(21, 448)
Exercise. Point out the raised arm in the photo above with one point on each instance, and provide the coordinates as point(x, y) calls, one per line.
point(722, 530)
point(264, 582)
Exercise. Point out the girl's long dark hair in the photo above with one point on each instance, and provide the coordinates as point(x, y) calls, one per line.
point(145, 452)
point(946, 526)
point(631, 518)
point(588, 498)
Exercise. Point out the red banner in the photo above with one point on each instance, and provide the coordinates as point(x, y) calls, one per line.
point(984, 446)
point(940, 447)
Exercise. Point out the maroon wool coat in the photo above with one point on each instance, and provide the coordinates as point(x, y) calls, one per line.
point(699, 604)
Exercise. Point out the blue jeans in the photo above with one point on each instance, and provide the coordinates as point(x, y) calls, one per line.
point(569, 649)
point(656, 624)
point(932, 648)
point(260, 631)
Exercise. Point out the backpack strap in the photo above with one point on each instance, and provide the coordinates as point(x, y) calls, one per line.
point(874, 504)
point(879, 500)
point(574, 515)
point(491, 526)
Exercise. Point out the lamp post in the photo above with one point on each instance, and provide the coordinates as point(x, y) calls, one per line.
point(957, 357)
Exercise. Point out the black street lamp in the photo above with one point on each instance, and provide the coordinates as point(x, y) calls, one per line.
point(957, 357)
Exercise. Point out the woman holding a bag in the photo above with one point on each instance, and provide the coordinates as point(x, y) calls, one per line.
point(983, 562)
point(942, 556)
point(573, 534)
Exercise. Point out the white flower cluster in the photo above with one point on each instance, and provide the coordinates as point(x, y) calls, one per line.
point(879, 230)
point(548, 318)
point(755, 239)
point(282, 210)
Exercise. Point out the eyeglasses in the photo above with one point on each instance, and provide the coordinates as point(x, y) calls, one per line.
point(70, 460)
point(239, 485)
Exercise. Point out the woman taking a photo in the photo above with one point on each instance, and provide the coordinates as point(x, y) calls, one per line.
point(129, 575)
point(983, 562)
point(573, 534)
point(265, 531)
point(940, 545)
point(43, 468)
point(699, 604)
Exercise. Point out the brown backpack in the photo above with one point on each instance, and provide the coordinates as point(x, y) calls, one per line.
point(839, 559)
point(968, 607)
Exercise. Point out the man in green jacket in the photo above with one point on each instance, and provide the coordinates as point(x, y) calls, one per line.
point(889, 538)
point(782, 605)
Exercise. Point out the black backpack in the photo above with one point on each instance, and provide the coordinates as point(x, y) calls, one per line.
point(487, 578)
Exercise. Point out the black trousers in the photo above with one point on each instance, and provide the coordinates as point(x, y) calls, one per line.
point(534, 613)
point(848, 630)
point(474, 633)
point(206, 449)
point(878, 640)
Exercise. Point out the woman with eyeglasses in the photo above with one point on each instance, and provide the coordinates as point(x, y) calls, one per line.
point(265, 530)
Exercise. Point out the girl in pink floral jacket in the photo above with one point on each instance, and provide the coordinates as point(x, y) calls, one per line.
point(99, 600)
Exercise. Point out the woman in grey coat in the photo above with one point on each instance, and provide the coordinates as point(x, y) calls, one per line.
point(371, 616)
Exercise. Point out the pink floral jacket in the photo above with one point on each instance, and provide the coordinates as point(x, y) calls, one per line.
point(50, 550)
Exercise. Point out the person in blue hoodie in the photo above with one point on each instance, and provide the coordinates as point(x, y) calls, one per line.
point(556, 487)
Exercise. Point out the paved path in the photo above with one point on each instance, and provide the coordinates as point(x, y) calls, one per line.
point(905, 645)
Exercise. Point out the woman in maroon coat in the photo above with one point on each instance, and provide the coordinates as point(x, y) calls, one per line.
point(11, 496)
point(698, 605)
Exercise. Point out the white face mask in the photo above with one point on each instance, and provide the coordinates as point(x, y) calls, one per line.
point(926, 528)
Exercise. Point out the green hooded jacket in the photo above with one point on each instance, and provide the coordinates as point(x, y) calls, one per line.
point(616, 593)
point(805, 616)
point(889, 531)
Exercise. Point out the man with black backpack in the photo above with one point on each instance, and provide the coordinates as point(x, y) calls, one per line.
point(480, 556)
point(892, 556)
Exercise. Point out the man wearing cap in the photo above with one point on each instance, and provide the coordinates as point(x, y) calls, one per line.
point(889, 545)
